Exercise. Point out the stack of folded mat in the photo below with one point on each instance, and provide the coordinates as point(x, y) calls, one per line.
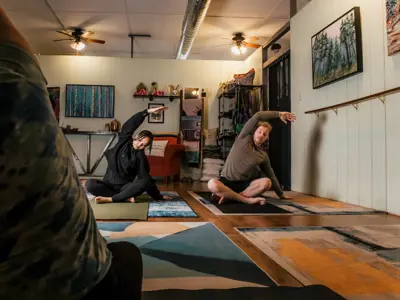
point(210, 151)
point(211, 168)
point(211, 148)
point(212, 162)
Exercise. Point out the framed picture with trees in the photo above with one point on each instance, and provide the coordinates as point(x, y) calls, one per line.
point(337, 50)
point(393, 26)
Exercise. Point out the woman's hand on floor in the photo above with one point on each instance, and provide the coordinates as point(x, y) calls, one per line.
point(166, 198)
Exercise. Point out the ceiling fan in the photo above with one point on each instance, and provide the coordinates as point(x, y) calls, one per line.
point(240, 43)
point(78, 36)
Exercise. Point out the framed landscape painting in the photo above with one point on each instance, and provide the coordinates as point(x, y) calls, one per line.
point(337, 50)
point(89, 101)
point(393, 26)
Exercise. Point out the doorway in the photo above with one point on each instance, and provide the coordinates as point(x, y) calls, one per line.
point(279, 149)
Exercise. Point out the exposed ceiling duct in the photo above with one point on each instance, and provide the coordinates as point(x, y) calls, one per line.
point(196, 11)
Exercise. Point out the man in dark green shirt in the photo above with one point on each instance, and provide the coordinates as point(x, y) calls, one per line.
point(50, 246)
point(246, 154)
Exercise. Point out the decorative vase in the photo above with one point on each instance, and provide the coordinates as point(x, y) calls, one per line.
point(115, 125)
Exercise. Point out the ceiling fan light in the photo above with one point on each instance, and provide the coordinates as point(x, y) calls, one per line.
point(78, 46)
point(238, 49)
point(235, 50)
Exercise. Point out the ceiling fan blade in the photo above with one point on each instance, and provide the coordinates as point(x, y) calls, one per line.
point(62, 32)
point(253, 38)
point(87, 34)
point(93, 40)
point(220, 45)
point(63, 40)
point(250, 45)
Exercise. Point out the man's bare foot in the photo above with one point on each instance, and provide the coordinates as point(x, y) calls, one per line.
point(131, 200)
point(100, 200)
point(257, 200)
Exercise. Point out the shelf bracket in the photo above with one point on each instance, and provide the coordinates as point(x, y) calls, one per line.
point(383, 99)
point(355, 105)
point(335, 110)
point(317, 114)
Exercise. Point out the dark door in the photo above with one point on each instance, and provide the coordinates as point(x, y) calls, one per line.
point(279, 149)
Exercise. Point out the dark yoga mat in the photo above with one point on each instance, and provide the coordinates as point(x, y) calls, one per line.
point(234, 207)
point(248, 293)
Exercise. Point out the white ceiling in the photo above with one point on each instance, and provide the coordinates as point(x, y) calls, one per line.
point(113, 20)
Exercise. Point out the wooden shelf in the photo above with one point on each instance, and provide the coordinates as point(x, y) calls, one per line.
point(354, 102)
point(151, 97)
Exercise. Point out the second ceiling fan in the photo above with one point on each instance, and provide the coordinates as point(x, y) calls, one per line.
point(78, 36)
point(240, 43)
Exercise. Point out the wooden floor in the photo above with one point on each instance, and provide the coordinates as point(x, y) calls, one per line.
point(227, 224)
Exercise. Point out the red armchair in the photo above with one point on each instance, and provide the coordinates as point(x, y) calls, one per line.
point(170, 164)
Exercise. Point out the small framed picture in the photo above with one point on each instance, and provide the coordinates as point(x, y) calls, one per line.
point(155, 118)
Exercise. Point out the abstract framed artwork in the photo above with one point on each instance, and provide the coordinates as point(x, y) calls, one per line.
point(337, 50)
point(393, 26)
point(89, 101)
point(54, 95)
point(155, 118)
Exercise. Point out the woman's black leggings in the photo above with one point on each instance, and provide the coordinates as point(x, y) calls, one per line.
point(122, 192)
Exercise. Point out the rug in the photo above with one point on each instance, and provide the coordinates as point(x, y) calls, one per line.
point(384, 240)
point(300, 206)
point(187, 255)
point(195, 260)
point(270, 293)
point(177, 207)
point(316, 255)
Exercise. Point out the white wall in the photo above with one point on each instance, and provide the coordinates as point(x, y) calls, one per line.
point(357, 158)
point(255, 61)
point(125, 74)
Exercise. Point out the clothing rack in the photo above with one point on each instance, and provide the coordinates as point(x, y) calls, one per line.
point(227, 136)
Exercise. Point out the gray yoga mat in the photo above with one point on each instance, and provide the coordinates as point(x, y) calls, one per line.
point(120, 211)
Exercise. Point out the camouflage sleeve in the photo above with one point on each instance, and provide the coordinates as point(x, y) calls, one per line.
point(49, 237)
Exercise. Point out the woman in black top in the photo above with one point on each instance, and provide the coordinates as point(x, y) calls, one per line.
point(127, 162)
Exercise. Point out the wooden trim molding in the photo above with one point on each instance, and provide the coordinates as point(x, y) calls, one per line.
point(380, 95)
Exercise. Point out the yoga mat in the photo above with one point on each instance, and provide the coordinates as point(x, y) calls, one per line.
point(234, 207)
point(299, 206)
point(174, 208)
point(120, 211)
point(350, 260)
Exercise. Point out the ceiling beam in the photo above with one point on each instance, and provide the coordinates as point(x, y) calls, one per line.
point(280, 33)
point(133, 36)
point(293, 8)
